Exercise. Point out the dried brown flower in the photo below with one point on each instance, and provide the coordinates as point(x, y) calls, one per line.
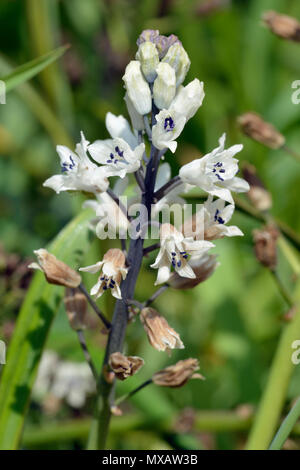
point(258, 194)
point(178, 374)
point(203, 266)
point(56, 272)
point(76, 308)
point(125, 366)
point(284, 26)
point(266, 246)
point(160, 335)
point(255, 127)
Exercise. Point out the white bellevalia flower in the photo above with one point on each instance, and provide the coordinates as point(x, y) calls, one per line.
point(164, 87)
point(137, 88)
point(117, 155)
point(174, 251)
point(169, 125)
point(212, 219)
point(188, 99)
point(79, 172)
point(137, 120)
point(118, 126)
point(148, 56)
point(112, 269)
point(215, 172)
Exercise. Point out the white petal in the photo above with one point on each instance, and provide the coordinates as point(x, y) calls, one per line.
point(162, 275)
point(118, 126)
point(93, 268)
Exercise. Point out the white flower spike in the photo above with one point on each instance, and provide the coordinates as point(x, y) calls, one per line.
point(112, 269)
point(215, 172)
point(168, 127)
point(117, 155)
point(174, 251)
point(79, 173)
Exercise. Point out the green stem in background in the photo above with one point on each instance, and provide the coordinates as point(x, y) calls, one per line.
point(86, 353)
point(283, 291)
point(291, 152)
point(286, 427)
point(274, 394)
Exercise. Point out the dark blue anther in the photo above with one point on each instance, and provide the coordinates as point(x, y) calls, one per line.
point(169, 124)
point(179, 264)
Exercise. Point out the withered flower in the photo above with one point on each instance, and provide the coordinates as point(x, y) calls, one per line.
point(284, 26)
point(259, 196)
point(124, 366)
point(56, 272)
point(178, 374)
point(160, 335)
point(257, 129)
point(76, 308)
point(266, 246)
point(203, 266)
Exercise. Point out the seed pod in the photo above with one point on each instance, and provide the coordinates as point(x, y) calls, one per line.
point(56, 272)
point(258, 194)
point(76, 308)
point(160, 335)
point(266, 246)
point(124, 366)
point(284, 26)
point(178, 374)
point(257, 129)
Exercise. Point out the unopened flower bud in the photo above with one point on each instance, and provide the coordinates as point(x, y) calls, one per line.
point(164, 87)
point(258, 194)
point(257, 129)
point(160, 335)
point(76, 308)
point(177, 58)
point(56, 272)
point(137, 88)
point(178, 374)
point(283, 26)
point(203, 266)
point(266, 246)
point(188, 99)
point(137, 120)
point(125, 366)
point(148, 35)
point(147, 54)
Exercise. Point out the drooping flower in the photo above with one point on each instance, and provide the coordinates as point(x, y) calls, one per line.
point(112, 269)
point(56, 271)
point(137, 88)
point(169, 125)
point(203, 267)
point(178, 374)
point(117, 155)
point(174, 251)
point(124, 366)
point(215, 172)
point(79, 173)
point(212, 219)
point(161, 336)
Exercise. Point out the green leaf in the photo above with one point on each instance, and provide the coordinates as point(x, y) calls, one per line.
point(30, 69)
point(34, 321)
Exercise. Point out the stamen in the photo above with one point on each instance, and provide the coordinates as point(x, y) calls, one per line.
point(169, 124)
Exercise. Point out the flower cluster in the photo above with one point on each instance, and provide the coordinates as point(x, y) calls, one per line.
point(159, 106)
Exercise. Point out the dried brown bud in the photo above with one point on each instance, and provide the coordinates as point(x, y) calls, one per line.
point(255, 127)
point(125, 366)
point(265, 246)
point(56, 272)
point(258, 194)
point(178, 374)
point(76, 308)
point(284, 26)
point(203, 266)
point(160, 335)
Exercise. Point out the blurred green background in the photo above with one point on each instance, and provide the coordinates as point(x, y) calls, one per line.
point(231, 322)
